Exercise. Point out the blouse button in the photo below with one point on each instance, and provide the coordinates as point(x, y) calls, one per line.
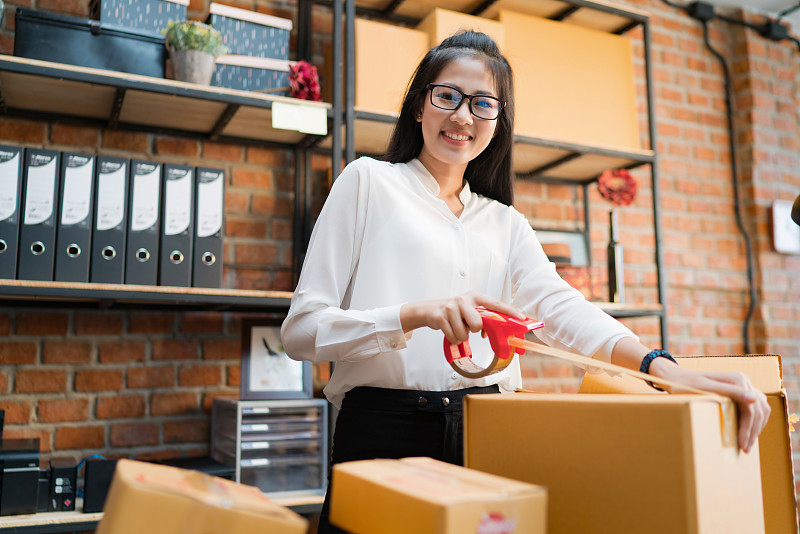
point(393, 344)
point(462, 272)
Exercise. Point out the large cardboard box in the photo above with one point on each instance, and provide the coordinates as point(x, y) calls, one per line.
point(571, 83)
point(777, 473)
point(149, 498)
point(442, 23)
point(621, 464)
point(386, 57)
point(426, 496)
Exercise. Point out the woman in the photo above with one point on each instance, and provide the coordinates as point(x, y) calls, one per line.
point(420, 241)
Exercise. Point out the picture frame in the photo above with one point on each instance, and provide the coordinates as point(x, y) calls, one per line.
point(267, 373)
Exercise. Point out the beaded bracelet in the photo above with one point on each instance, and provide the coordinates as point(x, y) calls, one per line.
point(648, 359)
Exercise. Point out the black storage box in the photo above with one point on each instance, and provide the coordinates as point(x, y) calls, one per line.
point(88, 43)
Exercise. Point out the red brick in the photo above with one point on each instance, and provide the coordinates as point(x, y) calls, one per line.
point(60, 410)
point(151, 377)
point(80, 437)
point(186, 431)
point(6, 43)
point(66, 352)
point(5, 325)
point(177, 146)
point(268, 156)
point(120, 407)
point(236, 203)
point(252, 178)
point(151, 323)
point(38, 381)
point(129, 141)
point(200, 375)
point(286, 181)
point(13, 353)
point(208, 399)
point(23, 131)
point(271, 205)
point(234, 375)
point(222, 349)
point(70, 7)
point(256, 254)
point(133, 435)
point(3, 383)
point(159, 455)
point(252, 279)
point(245, 228)
point(282, 230)
point(222, 151)
point(27, 433)
point(42, 324)
point(16, 413)
point(111, 380)
point(201, 323)
point(173, 404)
point(122, 351)
point(98, 323)
point(175, 350)
point(67, 134)
point(282, 281)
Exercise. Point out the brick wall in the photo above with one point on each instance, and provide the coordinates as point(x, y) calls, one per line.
point(140, 383)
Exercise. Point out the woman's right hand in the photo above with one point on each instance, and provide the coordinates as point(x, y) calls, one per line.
point(456, 316)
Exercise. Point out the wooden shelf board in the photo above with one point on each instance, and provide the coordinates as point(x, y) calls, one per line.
point(170, 111)
point(56, 95)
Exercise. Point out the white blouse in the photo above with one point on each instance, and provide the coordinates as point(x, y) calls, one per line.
point(383, 238)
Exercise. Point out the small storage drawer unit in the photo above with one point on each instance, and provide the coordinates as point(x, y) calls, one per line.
point(247, 33)
point(279, 446)
point(147, 15)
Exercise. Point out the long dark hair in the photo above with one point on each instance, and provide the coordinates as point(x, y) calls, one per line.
point(491, 173)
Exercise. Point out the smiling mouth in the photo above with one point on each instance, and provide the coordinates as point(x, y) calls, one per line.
point(457, 137)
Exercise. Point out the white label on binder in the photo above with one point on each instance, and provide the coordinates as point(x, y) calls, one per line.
point(300, 117)
point(77, 193)
point(111, 198)
point(177, 209)
point(144, 205)
point(40, 197)
point(9, 173)
point(209, 207)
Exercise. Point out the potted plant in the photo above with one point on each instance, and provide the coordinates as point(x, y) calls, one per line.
point(193, 48)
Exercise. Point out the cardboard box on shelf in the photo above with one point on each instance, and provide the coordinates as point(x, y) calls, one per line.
point(777, 473)
point(386, 57)
point(426, 496)
point(571, 83)
point(621, 463)
point(442, 23)
point(146, 497)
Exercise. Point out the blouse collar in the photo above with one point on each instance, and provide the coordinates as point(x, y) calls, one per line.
point(430, 183)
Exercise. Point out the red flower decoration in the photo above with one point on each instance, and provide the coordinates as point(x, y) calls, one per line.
point(304, 81)
point(617, 186)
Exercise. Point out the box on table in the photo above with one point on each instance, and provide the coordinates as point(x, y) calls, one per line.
point(571, 83)
point(248, 33)
point(442, 23)
point(147, 497)
point(386, 57)
point(621, 463)
point(777, 473)
point(147, 15)
point(426, 496)
point(252, 74)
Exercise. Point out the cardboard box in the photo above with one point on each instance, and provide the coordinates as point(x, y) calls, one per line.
point(386, 57)
point(249, 73)
point(248, 33)
point(621, 464)
point(442, 23)
point(426, 496)
point(571, 83)
point(777, 473)
point(160, 499)
point(148, 15)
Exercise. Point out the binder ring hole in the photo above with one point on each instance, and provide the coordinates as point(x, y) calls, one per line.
point(3, 246)
point(209, 258)
point(142, 255)
point(176, 257)
point(109, 253)
point(37, 248)
point(73, 250)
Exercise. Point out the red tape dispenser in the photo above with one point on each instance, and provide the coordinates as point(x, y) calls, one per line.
point(498, 327)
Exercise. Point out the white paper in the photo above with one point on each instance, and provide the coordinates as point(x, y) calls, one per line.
point(9, 173)
point(785, 233)
point(40, 193)
point(300, 117)
point(144, 204)
point(76, 200)
point(111, 198)
point(209, 206)
point(177, 209)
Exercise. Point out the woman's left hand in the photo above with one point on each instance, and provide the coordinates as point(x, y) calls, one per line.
point(753, 407)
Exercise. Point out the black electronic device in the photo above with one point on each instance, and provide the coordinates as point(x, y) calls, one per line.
point(63, 482)
point(19, 486)
point(96, 481)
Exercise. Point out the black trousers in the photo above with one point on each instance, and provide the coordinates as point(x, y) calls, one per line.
point(392, 423)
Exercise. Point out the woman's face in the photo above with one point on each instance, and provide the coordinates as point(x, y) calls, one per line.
point(454, 138)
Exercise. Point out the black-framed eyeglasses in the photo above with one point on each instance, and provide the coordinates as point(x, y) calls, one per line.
point(482, 106)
